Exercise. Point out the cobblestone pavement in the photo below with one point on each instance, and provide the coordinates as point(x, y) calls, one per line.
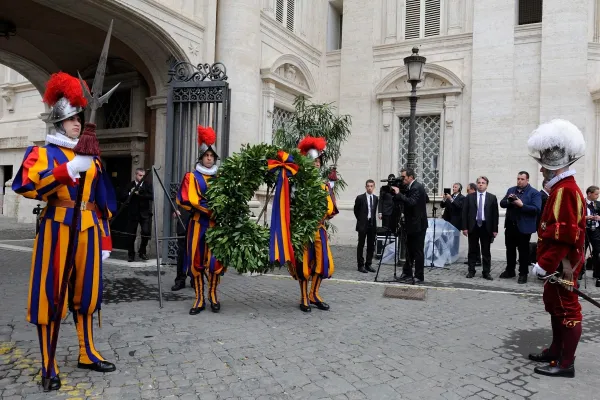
point(456, 344)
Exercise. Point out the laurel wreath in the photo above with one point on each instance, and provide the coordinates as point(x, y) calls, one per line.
point(240, 242)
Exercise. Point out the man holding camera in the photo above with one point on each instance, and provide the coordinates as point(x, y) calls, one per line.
point(452, 205)
point(386, 205)
point(592, 231)
point(138, 196)
point(523, 205)
point(415, 215)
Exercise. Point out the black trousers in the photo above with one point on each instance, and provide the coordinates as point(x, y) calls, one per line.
point(180, 278)
point(415, 246)
point(370, 236)
point(592, 238)
point(513, 239)
point(479, 238)
point(132, 225)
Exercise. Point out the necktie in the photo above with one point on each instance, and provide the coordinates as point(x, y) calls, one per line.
point(592, 208)
point(480, 210)
point(369, 216)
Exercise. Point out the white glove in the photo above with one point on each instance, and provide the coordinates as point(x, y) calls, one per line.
point(331, 184)
point(105, 254)
point(79, 164)
point(539, 271)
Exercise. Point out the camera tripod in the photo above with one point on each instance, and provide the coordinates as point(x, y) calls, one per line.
point(399, 245)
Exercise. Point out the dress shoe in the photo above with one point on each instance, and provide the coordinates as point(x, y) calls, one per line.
point(418, 281)
point(321, 305)
point(405, 277)
point(143, 257)
point(215, 307)
point(544, 356)
point(51, 383)
point(470, 275)
point(130, 258)
point(507, 275)
point(304, 308)
point(196, 310)
point(487, 277)
point(554, 369)
point(368, 268)
point(363, 270)
point(178, 286)
point(598, 282)
point(522, 279)
point(100, 366)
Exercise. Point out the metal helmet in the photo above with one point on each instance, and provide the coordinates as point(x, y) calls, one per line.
point(62, 110)
point(65, 97)
point(206, 141)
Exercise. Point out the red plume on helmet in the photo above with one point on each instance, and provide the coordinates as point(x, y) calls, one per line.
point(309, 143)
point(206, 135)
point(62, 84)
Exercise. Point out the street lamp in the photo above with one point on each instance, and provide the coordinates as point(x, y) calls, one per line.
point(414, 72)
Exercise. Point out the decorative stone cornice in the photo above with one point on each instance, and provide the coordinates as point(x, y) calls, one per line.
point(155, 102)
point(438, 44)
point(291, 73)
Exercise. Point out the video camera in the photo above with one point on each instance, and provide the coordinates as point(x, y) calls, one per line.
point(393, 181)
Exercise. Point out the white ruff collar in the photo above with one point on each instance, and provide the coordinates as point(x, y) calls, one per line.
point(61, 140)
point(560, 177)
point(206, 171)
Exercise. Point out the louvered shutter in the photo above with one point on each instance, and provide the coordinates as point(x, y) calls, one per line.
point(290, 15)
point(279, 11)
point(432, 17)
point(413, 19)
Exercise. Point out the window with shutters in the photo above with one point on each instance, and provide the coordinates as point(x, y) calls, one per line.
point(285, 11)
point(530, 12)
point(423, 18)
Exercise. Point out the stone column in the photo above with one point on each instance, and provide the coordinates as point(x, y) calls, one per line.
point(564, 91)
point(492, 110)
point(238, 47)
point(268, 104)
point(455, 16)
point(390, 15)
point(158, 105)
point(386, 142)
point(451, 168)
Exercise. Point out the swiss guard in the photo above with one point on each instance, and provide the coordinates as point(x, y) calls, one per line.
point(560, 252)
point(317, 261)
point(199, 260)
point(51, 173)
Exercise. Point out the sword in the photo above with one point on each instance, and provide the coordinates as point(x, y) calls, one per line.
point(87, 145)
point(569, 286)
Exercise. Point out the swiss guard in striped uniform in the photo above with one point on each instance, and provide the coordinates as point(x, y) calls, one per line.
point(317, 261)
point(199, 260)
point(51, 173)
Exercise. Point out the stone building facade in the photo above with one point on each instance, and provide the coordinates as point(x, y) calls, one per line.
point(495, 70)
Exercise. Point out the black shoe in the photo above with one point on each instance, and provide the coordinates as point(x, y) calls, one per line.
point(130, 258)
point(418, 281)
point(143, 257)
point(215, 307)
point(196, 310)
point(487, 277)
point(304, 308)
point(544, 356)
point(178, 286)
point(51, 383)
point(598, 282)
point(361, 269)
point(368, 268)
point(554, 369)
point(466, 263)
point(100, 366)
point(405, 277)
point(522, 279)
point(470, 275)
point(321, 305)
point(507, 275)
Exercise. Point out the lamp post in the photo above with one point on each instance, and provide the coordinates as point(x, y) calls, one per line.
point(414, 72)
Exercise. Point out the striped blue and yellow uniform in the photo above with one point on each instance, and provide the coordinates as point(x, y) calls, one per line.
point(198, 257)
point(43, 176)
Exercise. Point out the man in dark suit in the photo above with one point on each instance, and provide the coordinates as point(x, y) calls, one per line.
point(139, 195)
point(523, 205)
point(480, 225)
point(365, 209)
point(415, 216)
point(452, 205)
point(592, 231)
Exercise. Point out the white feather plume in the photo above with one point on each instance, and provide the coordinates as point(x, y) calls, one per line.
point(557, 133)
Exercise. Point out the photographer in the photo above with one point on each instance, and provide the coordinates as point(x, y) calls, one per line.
point(452, 205)
point(415, 214)
point(523, 205)
point(139, 195)
point(386, 204)
point(592, 231)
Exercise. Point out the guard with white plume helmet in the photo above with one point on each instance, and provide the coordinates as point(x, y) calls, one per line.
point(561, 237)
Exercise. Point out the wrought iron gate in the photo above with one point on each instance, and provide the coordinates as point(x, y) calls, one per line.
point(198, 94)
